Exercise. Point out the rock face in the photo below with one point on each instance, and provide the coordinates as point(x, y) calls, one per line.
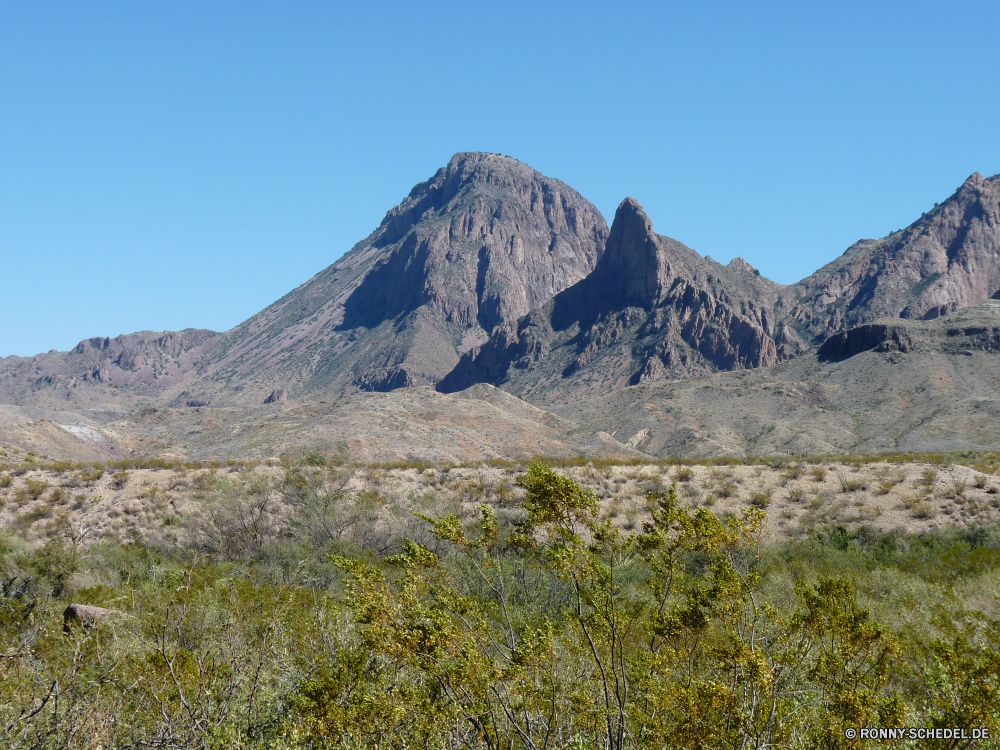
point(145, 365)
point(277, 397)
point(946, 260)
point(88, 616)
point(652, 309)
point(483, 242)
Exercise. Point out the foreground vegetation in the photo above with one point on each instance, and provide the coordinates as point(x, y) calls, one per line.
point(541, 624)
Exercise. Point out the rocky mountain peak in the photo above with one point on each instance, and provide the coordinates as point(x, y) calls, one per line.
point(946, 260)
point(740, 265)
point(481, 243)
point(633, 267)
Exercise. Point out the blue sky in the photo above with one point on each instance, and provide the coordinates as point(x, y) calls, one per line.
point(172, 165)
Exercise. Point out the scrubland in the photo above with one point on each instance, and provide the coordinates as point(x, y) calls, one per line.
point(311, 602)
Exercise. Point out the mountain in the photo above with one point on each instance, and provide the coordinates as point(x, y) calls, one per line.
point(889, 385)
point(946, 260)
point(129, 371)
point(483, 242)
point(490, 272)
point(652, 308)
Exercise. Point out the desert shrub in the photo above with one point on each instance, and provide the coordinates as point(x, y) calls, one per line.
point(5, 480)
point(928, 477)
point(760, 499)
point(794, 471)
point(796, 494)
point(817, 473)
point(92, 475)
point(726, 488)
point(851, 484)
point(119, 479)
point(925, 510)
point(34, 488)
point(684, 474)
point(869, 512)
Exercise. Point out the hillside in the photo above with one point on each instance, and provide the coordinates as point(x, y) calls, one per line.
point(946, 260)
point(483, 242)
point(893, 385)
point(652, 309)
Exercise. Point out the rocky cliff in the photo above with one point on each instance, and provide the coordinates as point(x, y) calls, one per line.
point(946, 260)
point(483, 242)
point(125, 370)
point(652, 309)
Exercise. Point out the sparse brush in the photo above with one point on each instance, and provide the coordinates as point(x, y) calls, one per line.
point(35, 487)
point(817, 473)
point(760, 499)
point(980, 481)
point(92, 475)
point(925, 510)
point(928, 477)
point(119, 479)
point(960, 488)
point(726, 489)
point(884, 488)
point(792, 472)
point(5, 480)
point(869, 512)
point(684, 474)
point(848, 484)
point(796, 494)
point(909, 501)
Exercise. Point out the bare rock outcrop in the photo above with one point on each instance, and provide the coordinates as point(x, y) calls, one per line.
point(651, 309)
point(947, 260)
point(277, 396)
point(87, 616)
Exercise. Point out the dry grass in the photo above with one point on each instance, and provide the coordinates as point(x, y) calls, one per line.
point(164, 504)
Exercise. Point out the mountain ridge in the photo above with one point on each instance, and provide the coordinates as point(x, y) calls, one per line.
point(489, 272)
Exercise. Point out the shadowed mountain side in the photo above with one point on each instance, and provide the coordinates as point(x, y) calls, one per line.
point(946, 260)
point(892, 385)
point(652, 309)
point(484, 241)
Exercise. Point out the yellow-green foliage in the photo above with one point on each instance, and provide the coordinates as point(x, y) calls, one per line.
point(543, 626)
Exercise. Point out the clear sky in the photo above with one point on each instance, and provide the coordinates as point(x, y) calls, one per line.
point(166, 165)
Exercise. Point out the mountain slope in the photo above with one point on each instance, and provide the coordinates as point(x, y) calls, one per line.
point(123, 372)
point(483, 242)
point(651, 309)
point(946, 260)
point(891, 385)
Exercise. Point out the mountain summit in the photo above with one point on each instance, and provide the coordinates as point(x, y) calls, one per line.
point(652, 308)
point(948, 259)
point(483, 242)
